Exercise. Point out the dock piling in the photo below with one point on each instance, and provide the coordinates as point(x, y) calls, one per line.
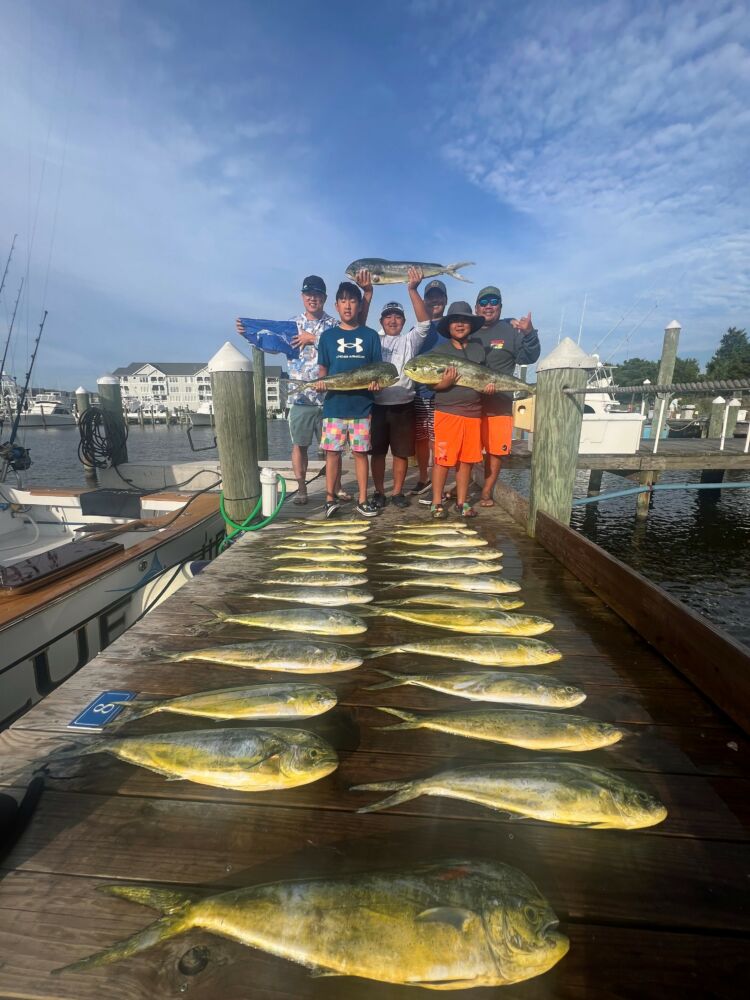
point(716, 419)
point(110, 402)
point(234, 408)
point(666, 373)
point(557, 431)
point(259, 384)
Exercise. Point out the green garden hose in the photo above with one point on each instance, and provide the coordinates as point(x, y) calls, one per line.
point(246, 525)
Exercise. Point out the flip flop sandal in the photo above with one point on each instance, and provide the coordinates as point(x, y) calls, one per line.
point(438, 513)
point(486, 502)
point(468, 511)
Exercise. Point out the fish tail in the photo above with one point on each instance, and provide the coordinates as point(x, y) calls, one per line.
point(175, 922)
point(405, 790)
point(410, 720)
point(373, 652)
point(216, 616)
point(138, 709)
point(452, 270)
point(396, 681)
point(161, 654)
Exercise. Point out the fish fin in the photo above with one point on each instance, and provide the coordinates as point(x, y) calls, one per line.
point(166, 901)
point(133, 710)
point(397, 680)
point(452, 270)
point(405, 790)
point(161, 930)
point(323, 973)
point(456, 916)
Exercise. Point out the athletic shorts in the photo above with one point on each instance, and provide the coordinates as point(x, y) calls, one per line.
point(394, 427)
point(497, 434)
point(457, 439)
point(424, 411)
point(305, 423)
point(337, 430)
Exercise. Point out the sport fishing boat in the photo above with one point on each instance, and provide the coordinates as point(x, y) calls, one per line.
point(203, 416)
point(607, 429)
point(47, 410)
point(79, 566)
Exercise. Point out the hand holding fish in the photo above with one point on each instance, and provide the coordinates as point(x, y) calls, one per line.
point(524, 324)
point(450, 377)
point(489, 389)
point(364, 280)
point(416, 274)
point(374, 386)
point(320, 385)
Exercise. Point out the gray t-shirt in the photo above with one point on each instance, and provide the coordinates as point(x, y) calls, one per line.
point(505, 348)
point(458, 399)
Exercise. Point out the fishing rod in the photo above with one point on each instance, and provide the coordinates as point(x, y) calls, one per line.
point(22, 397)
point(10, 328)
point(7, 263)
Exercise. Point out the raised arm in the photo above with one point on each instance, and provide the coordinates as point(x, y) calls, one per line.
point(364, 280)
point(530, 348)
point(420, 309)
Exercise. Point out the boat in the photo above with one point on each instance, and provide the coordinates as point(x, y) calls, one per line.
point(607, 428)
point(203, 416)
point(47, 410)
point(79, 566)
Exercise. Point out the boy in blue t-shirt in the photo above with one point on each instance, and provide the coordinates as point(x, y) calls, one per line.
point(346, 414)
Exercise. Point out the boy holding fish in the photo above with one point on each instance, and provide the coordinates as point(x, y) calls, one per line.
point(347, 413)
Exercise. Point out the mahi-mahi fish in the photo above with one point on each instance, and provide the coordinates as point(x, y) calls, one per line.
point(252, 701)
point(513, 688)
point(248, 759)
point(302, 578)
point(319, 556)
point(457, 564)
point(321, 567)
point(486, 650)
point(396, 272)
point(442, 541)
point(470, 584)
point(428, 369)
point(382, 372)
point(311, 621)
point(469, 621)
point(332, 597)
point(518, 727)
point(294, 656)
point(551, 791)
point(444, 554)
point(439, 599)
point(446, 925)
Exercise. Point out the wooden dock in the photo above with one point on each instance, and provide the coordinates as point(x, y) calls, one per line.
point(672, 454)
point(662, 912)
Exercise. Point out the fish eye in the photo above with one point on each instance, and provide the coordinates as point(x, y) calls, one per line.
point(531, 913)
point(314, 754)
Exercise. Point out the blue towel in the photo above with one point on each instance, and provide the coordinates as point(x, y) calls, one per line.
point(272, 336)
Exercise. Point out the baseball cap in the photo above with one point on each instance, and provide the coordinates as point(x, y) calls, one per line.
point(313, 283)
point(392, 307)
point(489, 290)
point(436, 286)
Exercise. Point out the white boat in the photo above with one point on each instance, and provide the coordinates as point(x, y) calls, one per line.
point(607, 429)
point(47, 410)
point(203, 416)
point(78, 567)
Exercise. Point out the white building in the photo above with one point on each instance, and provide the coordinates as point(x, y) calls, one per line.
point(186, 385)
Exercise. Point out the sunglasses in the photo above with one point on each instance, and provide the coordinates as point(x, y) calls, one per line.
point(489, 300)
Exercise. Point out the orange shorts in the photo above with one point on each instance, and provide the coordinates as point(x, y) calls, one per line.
point(457, 439)
point(497, 434)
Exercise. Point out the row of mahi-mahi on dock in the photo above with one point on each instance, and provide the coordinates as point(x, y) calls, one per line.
point(488, 918)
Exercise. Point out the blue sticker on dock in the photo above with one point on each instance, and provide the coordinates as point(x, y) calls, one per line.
point(101, 710)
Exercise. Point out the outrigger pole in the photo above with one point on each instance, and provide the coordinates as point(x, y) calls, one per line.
point(5, 353)
point(7, 263)
point(22, 397)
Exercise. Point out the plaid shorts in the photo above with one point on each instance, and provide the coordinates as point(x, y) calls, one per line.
point(336, 431)
point(425, 414)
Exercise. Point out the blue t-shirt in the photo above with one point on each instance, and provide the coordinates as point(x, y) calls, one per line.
point(343, 351)
point(429, 343)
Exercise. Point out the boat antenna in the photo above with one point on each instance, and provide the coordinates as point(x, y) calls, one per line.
point(10, 328)
point(583, 312)
point(562, 321)
point(22, 397)
point(7, 263)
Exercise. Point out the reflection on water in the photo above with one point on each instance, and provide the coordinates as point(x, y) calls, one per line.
point(694, 544)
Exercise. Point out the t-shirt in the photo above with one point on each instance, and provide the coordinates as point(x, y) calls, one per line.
point(430, 342)
point(505, 347)
point(343, 351)
point(459, 399)
point(305, 367)
point(397, 351)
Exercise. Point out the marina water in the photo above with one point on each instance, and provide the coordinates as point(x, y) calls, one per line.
point(694, 544)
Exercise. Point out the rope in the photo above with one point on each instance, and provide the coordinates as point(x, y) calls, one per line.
point(102, 435)
point(733, 385)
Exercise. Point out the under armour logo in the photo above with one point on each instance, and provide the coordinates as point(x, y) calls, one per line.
point(356, 344)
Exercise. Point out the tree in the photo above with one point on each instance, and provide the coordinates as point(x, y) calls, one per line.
point(634, 371)
point(686, 370)
point(732, 357)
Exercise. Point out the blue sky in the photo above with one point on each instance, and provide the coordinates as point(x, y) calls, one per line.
point(171, 165)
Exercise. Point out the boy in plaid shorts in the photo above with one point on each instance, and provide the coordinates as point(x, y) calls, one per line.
point(346, 414)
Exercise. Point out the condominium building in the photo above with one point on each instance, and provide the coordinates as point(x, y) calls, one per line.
point(186, 385)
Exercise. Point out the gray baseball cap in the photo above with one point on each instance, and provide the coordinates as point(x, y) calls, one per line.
point(436, 286)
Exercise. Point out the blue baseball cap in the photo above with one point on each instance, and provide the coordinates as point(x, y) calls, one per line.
point(436, 286)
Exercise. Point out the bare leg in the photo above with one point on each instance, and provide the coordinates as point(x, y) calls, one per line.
point(463, 478)
point(333, 473)
point(422, 451)
point(400, 466)
point(377, 463)
point(362, 470)
point(492, 465)
point(299, 465)
point(439, 475)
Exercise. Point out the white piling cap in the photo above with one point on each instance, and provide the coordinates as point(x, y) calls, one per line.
point(735, 402)
point(80, 390)
point(567, 354)
point(229, 359)
point(719, 399)
point(108, 380)
point(674, 325)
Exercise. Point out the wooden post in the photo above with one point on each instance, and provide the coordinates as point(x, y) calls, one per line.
point(557, 431)
point(595, 482)
point(234, 409)
point(717, 417)
point(83, 402)
point(643, 500)
point(259, 384)
point(110, 401)
point(666, 373)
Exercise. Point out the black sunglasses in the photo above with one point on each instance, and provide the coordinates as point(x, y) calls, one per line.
point(489, 300)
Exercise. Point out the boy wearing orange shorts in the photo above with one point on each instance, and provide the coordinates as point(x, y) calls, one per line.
point(458, 411)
